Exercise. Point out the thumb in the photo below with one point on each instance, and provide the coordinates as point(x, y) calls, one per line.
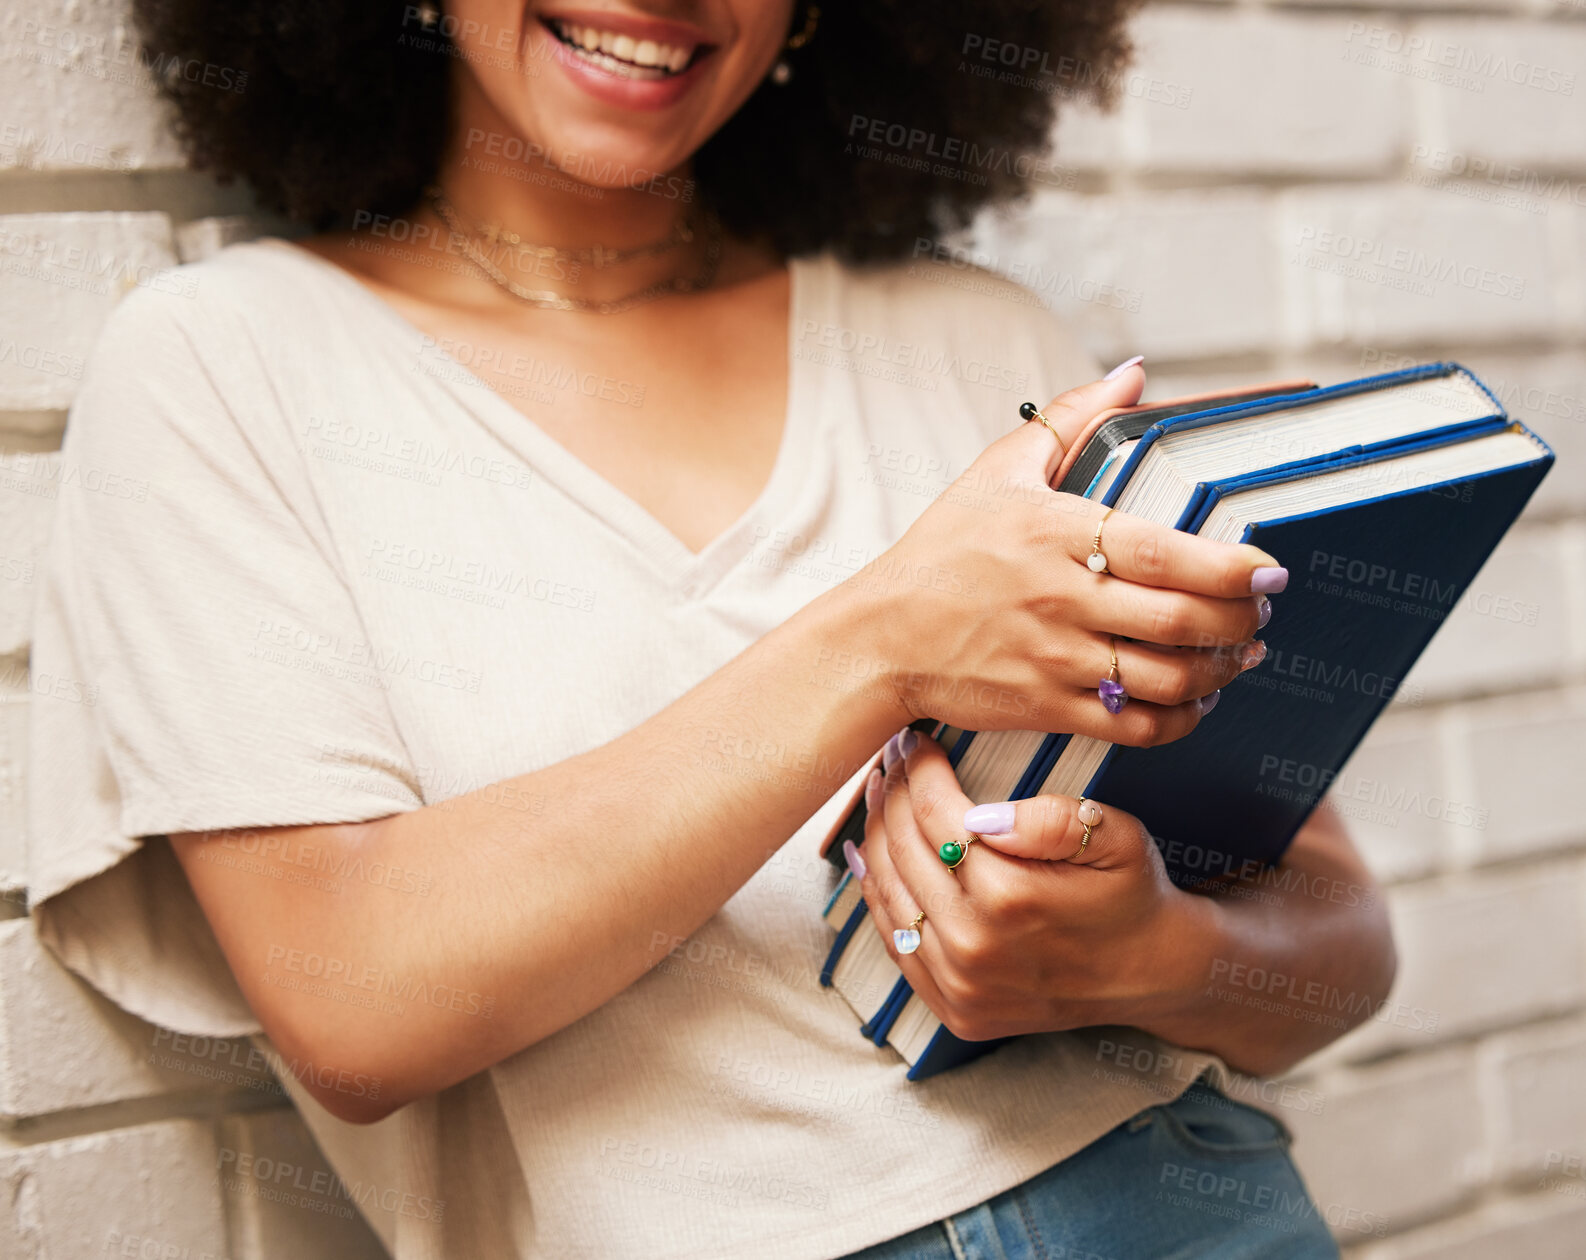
point(1052, 829)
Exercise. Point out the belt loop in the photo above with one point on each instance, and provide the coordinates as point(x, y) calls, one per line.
point(953, 1240)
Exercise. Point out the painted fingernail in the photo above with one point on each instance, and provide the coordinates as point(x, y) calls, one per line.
point(1124, 367)
point(908, 742)
point(889, 754)
point(1208, 703)
point(1268, 580)
point(872, 790)
point(1255, 653)
point(1266, 613)
point(856, 863)
point(989, 820)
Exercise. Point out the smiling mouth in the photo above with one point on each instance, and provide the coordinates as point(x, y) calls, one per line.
point(623, 55)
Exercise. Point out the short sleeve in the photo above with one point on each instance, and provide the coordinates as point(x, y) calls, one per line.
point(190, 661)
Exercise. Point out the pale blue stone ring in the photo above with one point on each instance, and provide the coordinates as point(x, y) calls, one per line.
point(907, 940)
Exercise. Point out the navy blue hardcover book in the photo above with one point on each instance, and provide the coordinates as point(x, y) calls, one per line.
point(1383, 497)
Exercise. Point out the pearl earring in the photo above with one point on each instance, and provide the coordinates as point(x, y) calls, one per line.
point(782, 72)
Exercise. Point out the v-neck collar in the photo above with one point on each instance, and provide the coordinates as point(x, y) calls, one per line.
point(690, 573)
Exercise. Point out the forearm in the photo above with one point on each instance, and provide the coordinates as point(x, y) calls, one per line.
point(551, 892)
point(1273, 968)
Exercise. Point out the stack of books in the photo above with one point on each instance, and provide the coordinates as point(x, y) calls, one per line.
point(1382, 496)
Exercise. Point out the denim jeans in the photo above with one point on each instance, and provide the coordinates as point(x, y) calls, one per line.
point(1200, 1178)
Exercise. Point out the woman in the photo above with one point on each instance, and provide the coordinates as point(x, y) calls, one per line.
point(524, 559)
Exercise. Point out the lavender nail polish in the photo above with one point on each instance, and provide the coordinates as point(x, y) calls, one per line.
point(908, 741)
point(989, 820)
point(1255, 653)
point(1266, 613)
point(1268, 580)
point(889, 755)
point(1208, 703)
point(872, 790)
point(856, 863)
point(1123, 367)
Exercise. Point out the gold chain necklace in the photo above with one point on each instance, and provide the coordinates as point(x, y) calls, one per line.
point(596, 256)
point(546, 299)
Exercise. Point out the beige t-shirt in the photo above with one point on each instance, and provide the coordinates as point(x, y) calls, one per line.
point(308, 568)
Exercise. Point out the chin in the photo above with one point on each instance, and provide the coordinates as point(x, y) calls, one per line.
point(616, 98)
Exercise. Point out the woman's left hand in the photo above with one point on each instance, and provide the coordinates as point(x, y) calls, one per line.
point(1030, 932)
point(1036, 931)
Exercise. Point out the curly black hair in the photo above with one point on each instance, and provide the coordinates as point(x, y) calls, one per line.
point(903, 117)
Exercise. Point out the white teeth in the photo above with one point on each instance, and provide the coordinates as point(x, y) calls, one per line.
point(618, 52)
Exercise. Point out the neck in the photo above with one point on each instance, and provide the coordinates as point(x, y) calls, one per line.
point(492, 176)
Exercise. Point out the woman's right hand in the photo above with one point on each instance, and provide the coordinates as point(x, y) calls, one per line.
point(1018, 631)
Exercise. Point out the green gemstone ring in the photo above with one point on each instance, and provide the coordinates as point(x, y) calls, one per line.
point(952, 853)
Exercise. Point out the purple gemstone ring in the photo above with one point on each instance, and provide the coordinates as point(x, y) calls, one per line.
point(1113, 696)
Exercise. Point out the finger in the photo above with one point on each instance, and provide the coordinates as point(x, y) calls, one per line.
point(921, 820)
point(936, 817)
point(1142, 551)
point(1172, 618)
point(1169, 675)
point(1140, 724)
point(1041, 450)
point(891, 907)
point(1051, 829)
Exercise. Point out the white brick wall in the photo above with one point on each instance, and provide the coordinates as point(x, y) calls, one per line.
point(115, 1137)
point(1308, 187)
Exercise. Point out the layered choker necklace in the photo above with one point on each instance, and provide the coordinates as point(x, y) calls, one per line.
point(475, 238)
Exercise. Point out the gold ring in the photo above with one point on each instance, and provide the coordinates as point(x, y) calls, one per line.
point(1031, 412)
point(1096, 562)
point(953, 852)
point(1089, 815)
point(907, 940)
point(1111, 688)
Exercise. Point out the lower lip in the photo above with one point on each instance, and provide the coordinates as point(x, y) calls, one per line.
point(626, 93)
